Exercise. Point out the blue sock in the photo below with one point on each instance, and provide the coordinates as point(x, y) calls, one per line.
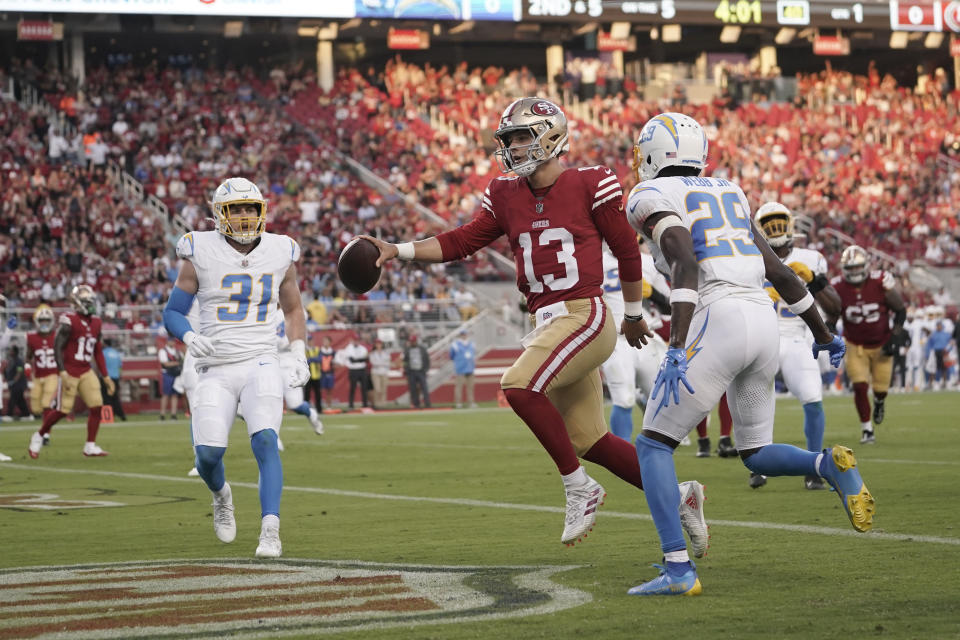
point(621, 422)
point(814, 422)
point(679, 568)
point(264, 445)
point(782, 460)
point(303, 409)
point(661, 490)
point(209, 461)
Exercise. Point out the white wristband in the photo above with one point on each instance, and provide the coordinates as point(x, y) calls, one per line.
point(801, 305)
point(298, 348)
point(665, 223)
point(684, 295)
point(405, 251)
point(632, 308)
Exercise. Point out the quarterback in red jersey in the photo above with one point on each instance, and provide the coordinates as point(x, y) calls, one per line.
point(40, 354)
point(77, 340)
point(556, 220)
point(868, 298)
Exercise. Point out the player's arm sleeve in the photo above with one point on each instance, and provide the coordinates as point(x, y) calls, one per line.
point(471, 237)
point(621, 238)
point(175, 313)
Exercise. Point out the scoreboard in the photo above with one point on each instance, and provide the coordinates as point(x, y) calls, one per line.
point(899, 15)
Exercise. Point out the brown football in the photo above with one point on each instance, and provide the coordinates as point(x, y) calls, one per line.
point(357, 267)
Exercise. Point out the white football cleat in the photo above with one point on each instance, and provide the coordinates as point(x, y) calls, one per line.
point(5, 458)
point(36, 443)
point(316, 422)
point(91, 450)
point(582, 505)
point(224, 524)
point(691, 517)
point(269, 546)
point(193, 473)
point(279, 444)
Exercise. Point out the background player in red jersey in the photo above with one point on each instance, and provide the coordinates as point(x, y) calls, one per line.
point(77, 340)
point(556, 220)
point(40, 355)
point(867, 300)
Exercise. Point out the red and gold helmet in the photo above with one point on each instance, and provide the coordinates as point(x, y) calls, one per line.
point(853, 264)
point(43, 318)
point(83, 300)
point(547, 126)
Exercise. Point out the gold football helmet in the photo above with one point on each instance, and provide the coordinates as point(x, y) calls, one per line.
point(853, 264)
point(43, 318)
point(546, 124)
point(83, 300)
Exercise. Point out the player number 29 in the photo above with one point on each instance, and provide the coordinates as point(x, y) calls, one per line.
point(726, 207)
point(241, 298)
point(564, 256)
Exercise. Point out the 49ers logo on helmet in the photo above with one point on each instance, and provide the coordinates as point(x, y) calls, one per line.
point(544, 108)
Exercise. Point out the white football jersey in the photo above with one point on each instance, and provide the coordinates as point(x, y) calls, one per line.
point(790, 323)
point(613, 291)
point(238, 294)
point(717, 214)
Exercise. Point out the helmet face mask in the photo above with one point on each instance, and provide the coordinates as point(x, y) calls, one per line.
point(853, 264)
point(776, 224)
point(239, 210)
point(667, 140)
point(546, 126)
point(83, 300)
point(43, 318)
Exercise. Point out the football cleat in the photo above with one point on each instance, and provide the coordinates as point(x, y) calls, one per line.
point(878, 410)
point(582, 505)
point(667, 584)
point(703, 447)
point(5, 458)
point(867, 437)
point(91, 450)
point(725, 448)
point(316, 422)
point(46, 439)
point(224, 524)
point(691, 517)
point(193, 473)
point(813, 483)
point(839, 468)
point(269, 546)
point(36, 441)
point(757, 480)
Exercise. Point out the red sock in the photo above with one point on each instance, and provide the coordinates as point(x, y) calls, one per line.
point(50, 418)
point(547, 425)
point(93, 424)
point(617, 456)
point(726, 421)
point(702, 427)
point(862, 401)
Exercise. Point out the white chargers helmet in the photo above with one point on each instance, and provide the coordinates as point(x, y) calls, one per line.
point(233, 192)
point(669, 139)
point(546, 124)
point(776, 224)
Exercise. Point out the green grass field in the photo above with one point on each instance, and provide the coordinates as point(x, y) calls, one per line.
point(472, 494)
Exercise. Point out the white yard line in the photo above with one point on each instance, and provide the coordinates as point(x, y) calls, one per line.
point(797, 528)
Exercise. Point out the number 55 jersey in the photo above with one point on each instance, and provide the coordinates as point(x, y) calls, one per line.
point(238, 292)
point(717, 215)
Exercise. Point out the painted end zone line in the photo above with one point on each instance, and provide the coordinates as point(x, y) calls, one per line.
point(798, 528)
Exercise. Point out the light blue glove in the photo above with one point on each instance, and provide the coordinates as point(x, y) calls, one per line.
point(835, 347)
point(673, 371)
point(12, 322)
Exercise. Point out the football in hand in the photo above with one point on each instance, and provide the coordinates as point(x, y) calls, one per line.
point(357, 267)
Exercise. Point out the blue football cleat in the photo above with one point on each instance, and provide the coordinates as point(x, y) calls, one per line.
point(838, 467)
point(666, 584)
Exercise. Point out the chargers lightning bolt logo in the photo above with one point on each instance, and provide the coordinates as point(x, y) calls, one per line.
point(693, 348)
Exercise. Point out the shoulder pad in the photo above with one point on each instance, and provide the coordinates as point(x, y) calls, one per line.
point(66, 320)
point(185, 246)
point(887, 280)
point(294, 248)
point(835, 280)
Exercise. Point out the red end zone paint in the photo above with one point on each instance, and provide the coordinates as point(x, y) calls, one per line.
point(189, 599)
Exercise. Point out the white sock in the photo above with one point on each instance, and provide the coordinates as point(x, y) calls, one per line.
point(867, 426)
point(224, 491)
point(576, 479)
point(270, 520)
point(817, 464)
point(676, 556)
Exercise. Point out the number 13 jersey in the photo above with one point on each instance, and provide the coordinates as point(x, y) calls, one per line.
point(717, 215)
point(238, 293)
point(556, 235)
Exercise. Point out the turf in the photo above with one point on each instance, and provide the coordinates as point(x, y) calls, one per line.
point(457, 488)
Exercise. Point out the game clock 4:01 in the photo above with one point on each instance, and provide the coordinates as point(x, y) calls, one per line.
point(739, 12)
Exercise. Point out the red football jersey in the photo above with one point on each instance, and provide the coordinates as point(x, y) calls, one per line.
point(80, 347)
point(44, 362)
point(556, 237)
point(866, 317)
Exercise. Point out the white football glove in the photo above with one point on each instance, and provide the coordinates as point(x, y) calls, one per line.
point(301, 370)
point(198, 345)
